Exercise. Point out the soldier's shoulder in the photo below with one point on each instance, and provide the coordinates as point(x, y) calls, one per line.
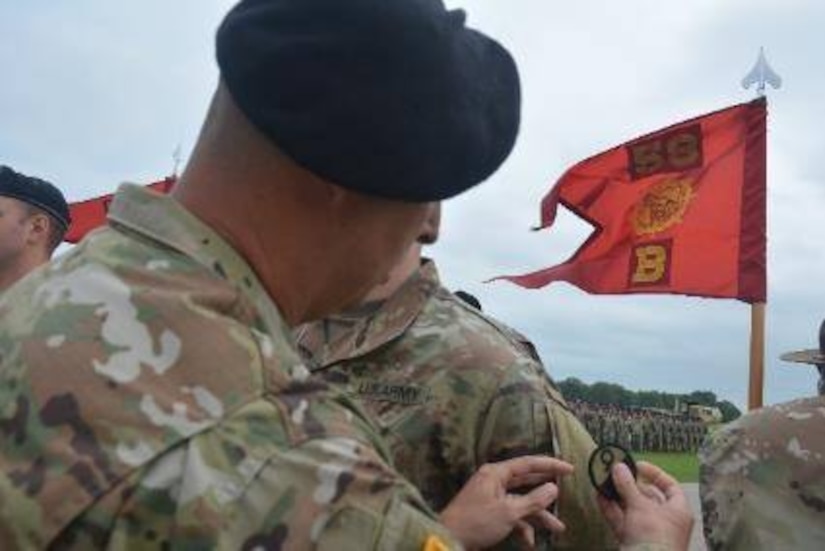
point(778, 423)
point(763, 474)
point(477, 331)
point(784, 437)
point(479, 348)
point(138, 339)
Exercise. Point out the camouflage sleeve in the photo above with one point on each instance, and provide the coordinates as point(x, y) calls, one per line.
point(719, 490)
point(353, 501)
point(761, 482)
point(527, 415)
point(517, 420)
point(331, 493)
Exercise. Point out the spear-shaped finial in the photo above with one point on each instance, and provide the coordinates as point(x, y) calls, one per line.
point(761, 74)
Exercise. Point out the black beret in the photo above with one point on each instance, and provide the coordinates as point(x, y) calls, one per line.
point(36, 192)
point(394, 98)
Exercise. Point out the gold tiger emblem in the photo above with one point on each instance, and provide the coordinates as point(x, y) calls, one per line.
point(662, 206)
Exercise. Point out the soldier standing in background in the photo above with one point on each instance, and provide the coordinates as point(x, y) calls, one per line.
point(648, 432)
point(624, 426)
point(762, 477)
point(34, 218)
point(659, 426)
point(637, 428)
point(696, 435)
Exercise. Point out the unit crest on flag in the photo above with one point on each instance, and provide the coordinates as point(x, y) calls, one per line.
point(662, 206)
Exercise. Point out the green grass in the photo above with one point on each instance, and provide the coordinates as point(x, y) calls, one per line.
point(682, 466)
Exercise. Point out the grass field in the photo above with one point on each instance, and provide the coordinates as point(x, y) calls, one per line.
point(683, 466)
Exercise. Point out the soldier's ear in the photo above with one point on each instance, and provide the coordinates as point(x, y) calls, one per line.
point(37, 228)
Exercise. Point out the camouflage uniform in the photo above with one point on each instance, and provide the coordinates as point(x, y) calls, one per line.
point(763, 479)
point(151, 396)
point(451, 390)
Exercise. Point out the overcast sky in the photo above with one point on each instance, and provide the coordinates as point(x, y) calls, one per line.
point(96, 92)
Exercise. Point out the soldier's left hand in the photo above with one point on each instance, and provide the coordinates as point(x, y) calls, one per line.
point(653, 511)
point(484, 512)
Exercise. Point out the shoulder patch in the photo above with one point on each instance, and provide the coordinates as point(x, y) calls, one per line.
point(434, 543)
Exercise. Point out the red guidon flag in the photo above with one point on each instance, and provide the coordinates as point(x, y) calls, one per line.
point(679, 211)
point(90, 214)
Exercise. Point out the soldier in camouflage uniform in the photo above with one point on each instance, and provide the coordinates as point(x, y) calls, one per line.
point(451, 389)
point(625, 434)
point(140, 446)
point(648, 429)
point(763, 476)
point(637, 428)
point(659, 428)
point(150, 393)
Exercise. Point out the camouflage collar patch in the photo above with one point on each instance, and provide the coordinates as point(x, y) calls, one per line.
point(372, 329)
point(389, 392)
point(163, 219)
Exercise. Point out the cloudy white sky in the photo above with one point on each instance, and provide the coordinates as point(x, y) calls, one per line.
point(95, 92)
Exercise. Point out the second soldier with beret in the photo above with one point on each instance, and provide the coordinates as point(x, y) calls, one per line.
point(34, 218)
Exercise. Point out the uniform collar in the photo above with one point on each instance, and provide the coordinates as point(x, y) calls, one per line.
point(365, 332)
point(163, 219)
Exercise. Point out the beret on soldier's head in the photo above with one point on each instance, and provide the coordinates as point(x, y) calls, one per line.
point(393, 98)
point(36, 192)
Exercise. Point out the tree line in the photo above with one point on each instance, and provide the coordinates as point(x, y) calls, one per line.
point(613, 394)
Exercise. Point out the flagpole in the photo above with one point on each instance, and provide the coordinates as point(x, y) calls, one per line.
point(757, 355)
point(760, 75)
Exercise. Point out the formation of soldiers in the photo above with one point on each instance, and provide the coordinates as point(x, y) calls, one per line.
point(640, 430)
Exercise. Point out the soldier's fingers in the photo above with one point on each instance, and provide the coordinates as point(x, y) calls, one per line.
point(668, 485)
point(534, 501)
point(549, 521)
point(529, 464)
point(625, 484)
point(652, 492)
point(531, 479)
point(526, 535)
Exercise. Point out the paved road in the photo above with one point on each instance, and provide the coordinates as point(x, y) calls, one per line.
point(697, 541)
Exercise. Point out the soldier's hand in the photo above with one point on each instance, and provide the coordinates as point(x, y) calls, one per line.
point(653, 511)
point(484, 512)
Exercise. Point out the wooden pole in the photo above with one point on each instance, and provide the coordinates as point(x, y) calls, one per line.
point(757, 364)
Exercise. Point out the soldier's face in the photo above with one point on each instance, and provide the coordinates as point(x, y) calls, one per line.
point(393, 233)
point(369, 242)
point(13, 231)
